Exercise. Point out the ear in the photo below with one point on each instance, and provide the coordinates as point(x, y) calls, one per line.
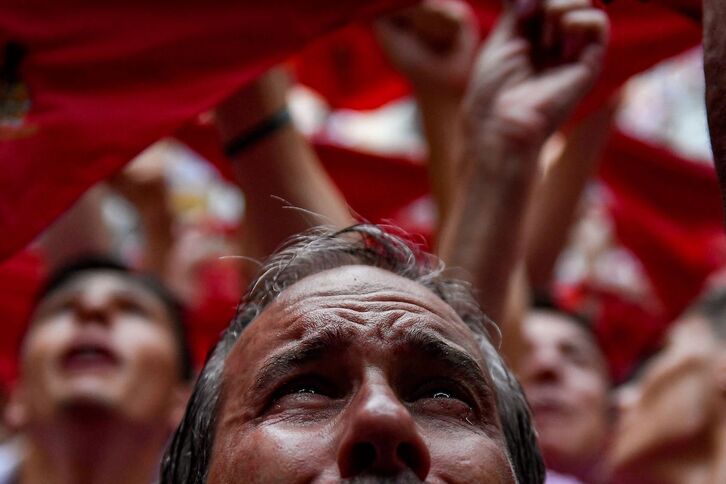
point(178, 404)
point(15, 413)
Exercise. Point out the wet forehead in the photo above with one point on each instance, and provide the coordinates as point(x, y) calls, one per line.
point(363, 298)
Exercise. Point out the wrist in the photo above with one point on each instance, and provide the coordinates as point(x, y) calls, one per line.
point(251, 105)
point(437, 95)
point(499, 166)
point(520, 132)
point(236, 145)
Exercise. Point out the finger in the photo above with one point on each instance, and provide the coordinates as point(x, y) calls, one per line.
point(583, 29)
point(394, 28)
point(439, 23)
point(590, 21)
point(525, 9)
point(553, 12)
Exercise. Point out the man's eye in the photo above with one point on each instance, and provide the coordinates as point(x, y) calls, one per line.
point(442, 390)
point(305, 389)
point(306, 386)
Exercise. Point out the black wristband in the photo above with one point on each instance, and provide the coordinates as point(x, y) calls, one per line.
point(257, 132)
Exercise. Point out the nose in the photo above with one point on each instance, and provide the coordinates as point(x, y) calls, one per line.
point(542, 367)
point(381, 437)
point(93, 308)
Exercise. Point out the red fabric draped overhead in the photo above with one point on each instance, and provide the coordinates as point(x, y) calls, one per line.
point(349, 70)
point(106, 79)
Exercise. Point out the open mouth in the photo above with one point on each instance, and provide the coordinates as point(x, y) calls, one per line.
point(89, 356)
point(547, 406)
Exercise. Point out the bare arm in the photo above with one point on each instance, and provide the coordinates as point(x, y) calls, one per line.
point(511, 107)
point(80, 231)
point(556, 197)
point(433, 46)
point(143, 184)
point(281, 165)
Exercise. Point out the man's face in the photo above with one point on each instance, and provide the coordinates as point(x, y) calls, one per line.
point(565, 380)
point(673, 401)
point(100, 341)
point(358, 373)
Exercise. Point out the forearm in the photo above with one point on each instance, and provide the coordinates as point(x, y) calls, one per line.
point(285, 167)
point(552, 211)
point(714, 57)
point(157, 222)
point(280, 166)
point(483, 233)
point(80, 231)
point(440, 119)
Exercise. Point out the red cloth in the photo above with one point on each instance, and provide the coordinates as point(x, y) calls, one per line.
point(667, 211)
point(220, 289)
point(349, 70)
point(106, 79)
point(20, 279)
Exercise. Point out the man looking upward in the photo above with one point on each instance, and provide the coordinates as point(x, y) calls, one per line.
point(103, 379)
point(353, 358)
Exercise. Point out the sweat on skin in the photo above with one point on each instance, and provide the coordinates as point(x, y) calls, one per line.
point(357, 371)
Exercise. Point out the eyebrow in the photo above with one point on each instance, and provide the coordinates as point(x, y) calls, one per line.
point(305, 352)
point(438, 351)
point(428, 345)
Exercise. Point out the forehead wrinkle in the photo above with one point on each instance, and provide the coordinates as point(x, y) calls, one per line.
point(360, 297)
point(383, 319)
point(310, 306)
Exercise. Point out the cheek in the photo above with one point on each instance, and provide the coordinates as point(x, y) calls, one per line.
point(588, 391)
point(271, 454)
point(469, 458)
point(148, 349)
point(43, 345)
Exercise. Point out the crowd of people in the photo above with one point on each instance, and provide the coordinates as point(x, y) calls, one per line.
point(355, 355)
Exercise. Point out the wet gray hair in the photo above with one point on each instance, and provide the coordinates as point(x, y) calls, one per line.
point(188, 457)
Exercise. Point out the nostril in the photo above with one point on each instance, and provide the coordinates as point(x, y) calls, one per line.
point(363, 456)
point(407, 454)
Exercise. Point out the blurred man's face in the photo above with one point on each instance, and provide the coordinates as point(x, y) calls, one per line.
point(101, 341)
point(673, 403)
point(565, 380)
point(358, 373)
